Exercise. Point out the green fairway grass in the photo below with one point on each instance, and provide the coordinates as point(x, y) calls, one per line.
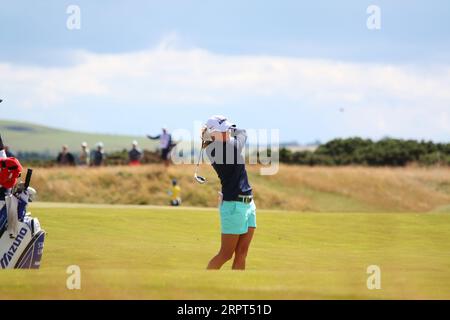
point(161, 253)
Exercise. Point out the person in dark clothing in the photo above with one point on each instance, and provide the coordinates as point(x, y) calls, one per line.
point(165, 144)
point(224, 145)
point(135, 155)
point(65, 158)
point(98, 156)
point(8, 152)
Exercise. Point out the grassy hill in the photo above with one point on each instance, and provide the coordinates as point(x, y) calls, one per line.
point(156, 253)
point(27, 137)
point(298, 188)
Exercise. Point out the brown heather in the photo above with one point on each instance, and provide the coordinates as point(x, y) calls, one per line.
point(315, 189)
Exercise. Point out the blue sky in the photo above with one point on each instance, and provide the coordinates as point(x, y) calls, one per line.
point(311, 69)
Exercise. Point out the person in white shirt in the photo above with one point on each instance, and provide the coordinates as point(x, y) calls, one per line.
point(85, 155)
point(165, 144)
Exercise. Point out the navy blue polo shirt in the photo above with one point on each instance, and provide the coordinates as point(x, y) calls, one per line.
point(229, 163)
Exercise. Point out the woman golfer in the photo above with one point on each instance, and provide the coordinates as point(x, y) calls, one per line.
point(224, 144)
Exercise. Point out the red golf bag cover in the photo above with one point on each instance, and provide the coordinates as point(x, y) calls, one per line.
point(10, 170)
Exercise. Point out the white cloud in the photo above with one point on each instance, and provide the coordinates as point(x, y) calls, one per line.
point(173, 76)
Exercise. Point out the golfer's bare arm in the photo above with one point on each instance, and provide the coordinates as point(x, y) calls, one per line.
point(240, 136)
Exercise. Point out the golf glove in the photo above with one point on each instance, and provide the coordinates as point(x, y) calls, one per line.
point(206, 137)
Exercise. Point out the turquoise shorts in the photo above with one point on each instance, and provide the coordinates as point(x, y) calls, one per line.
point(236, 217)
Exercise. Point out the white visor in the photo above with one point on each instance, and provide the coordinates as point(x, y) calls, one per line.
point(218, 124)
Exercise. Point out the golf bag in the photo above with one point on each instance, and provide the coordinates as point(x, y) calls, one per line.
point(21, 236)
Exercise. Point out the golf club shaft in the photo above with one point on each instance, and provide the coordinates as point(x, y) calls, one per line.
point(28, 179)
point(199, 159)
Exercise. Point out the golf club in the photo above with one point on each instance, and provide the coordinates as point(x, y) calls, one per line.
point(28, 179)
point(198, 178)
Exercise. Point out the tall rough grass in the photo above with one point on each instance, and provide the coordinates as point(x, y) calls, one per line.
point(294, 187)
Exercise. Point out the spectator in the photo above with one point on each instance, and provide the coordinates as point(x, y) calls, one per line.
point(99, 156)
point(65, 158)
point(85, 156)
point(175, 194)
point(165, 144)
point(135, 155)
point(8, 152)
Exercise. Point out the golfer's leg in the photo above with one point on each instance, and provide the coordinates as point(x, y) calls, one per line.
point(227, 248)
point(242, 249)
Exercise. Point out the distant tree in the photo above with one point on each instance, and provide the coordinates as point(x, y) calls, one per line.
point(344, 151)
point(358, 151)
point(285, 155)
